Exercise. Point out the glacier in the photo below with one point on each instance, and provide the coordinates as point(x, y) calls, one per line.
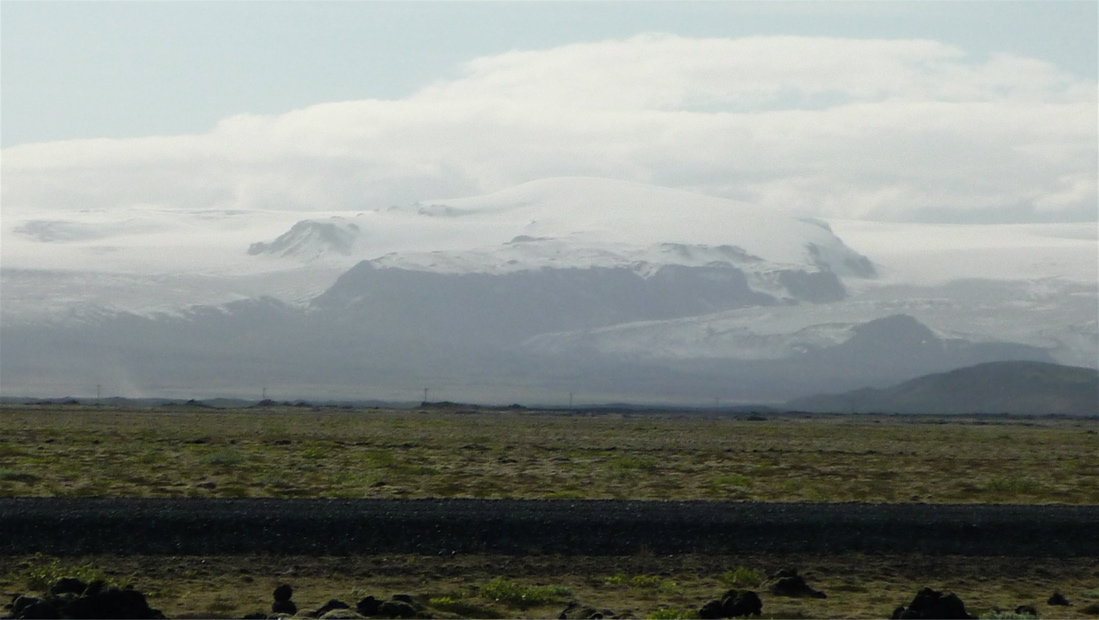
point(608, 289)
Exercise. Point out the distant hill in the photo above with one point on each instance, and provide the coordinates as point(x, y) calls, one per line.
point(1017, 387)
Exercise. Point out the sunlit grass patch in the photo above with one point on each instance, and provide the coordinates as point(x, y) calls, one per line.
point(462, 607)
point(518, 595)
point(633, 463)
point(40, 572)
point(743, 577)
point(669, 613)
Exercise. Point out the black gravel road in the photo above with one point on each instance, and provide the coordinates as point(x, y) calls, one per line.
point(64, 526)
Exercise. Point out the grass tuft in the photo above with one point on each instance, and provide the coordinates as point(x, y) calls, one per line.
point(672, 614)
point(742, 577)
point(43, 572)
point(223, 458)
point(517, 595)
point(461, 607)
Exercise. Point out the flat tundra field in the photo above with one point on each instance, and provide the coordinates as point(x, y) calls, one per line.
point(76, 451)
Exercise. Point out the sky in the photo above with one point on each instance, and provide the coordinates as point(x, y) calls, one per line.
point(965, 112)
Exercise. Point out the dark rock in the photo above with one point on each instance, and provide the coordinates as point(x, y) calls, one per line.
point(68, 585)
point(284, 607)
point(710, 611)
point(933, 605)
point(19, 603)
point(369, 606)
point(259, 615)
point(397, 609)
point(403, 597)
point(1026, 609)
point(95, 587)
point(39, 610)
point(787, 582)
point(580, 611)
point(1091, 610)
point(341, 614)
point(329, 606)
point(284, 593)
point(741, 603)
point(897, 613)
point(112, 603)
point(64, 601)
point(1058, 599)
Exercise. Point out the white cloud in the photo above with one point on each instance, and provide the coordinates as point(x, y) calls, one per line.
point(886, 129)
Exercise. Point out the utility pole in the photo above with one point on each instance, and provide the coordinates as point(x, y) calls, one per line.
point(98, 393)
point(425, 394)
point(263, 394)
point(570, 400)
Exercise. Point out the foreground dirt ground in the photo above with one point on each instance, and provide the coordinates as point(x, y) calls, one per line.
point(857, 586)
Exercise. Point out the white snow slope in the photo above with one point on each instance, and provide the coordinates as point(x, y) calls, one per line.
point(149, 259)
point(1037, 283)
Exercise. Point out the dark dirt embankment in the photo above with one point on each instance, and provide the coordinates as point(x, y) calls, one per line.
point(600, 527)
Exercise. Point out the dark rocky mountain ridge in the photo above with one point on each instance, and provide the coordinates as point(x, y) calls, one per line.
point(1016, 387)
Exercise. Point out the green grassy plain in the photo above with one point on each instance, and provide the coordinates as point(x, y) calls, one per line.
point(78, 451)
point(88, 451)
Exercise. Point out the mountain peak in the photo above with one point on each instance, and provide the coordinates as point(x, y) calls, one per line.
point(576, 223)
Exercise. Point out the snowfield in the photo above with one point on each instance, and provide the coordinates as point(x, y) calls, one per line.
point(806, 284)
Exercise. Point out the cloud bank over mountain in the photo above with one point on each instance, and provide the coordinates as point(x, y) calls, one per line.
point(900, 130)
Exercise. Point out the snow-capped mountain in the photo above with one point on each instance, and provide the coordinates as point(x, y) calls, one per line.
point(610, 288)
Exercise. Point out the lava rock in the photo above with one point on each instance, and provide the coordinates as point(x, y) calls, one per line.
point(68, 585)
point(933, 605)
point(329, 606)
point(72, 598)
point(579, 611)
point(112, 603)
point(369, 606)
point(742, 603)
point(1058, 599)
point(284, 593)
point(288, 608)
point(1027, 610)
point(283, 604)
point(21, 602)
point(787, 582)
point(397, 609)
point(342, 614)
point(95, 587)
point(37, 609)
point(710, 611)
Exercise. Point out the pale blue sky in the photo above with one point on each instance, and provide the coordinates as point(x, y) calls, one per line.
point(128, 69)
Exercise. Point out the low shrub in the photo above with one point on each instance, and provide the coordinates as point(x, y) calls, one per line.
point(43, 572)
point(742, 577)
point(518, 595)
point(461, 607)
